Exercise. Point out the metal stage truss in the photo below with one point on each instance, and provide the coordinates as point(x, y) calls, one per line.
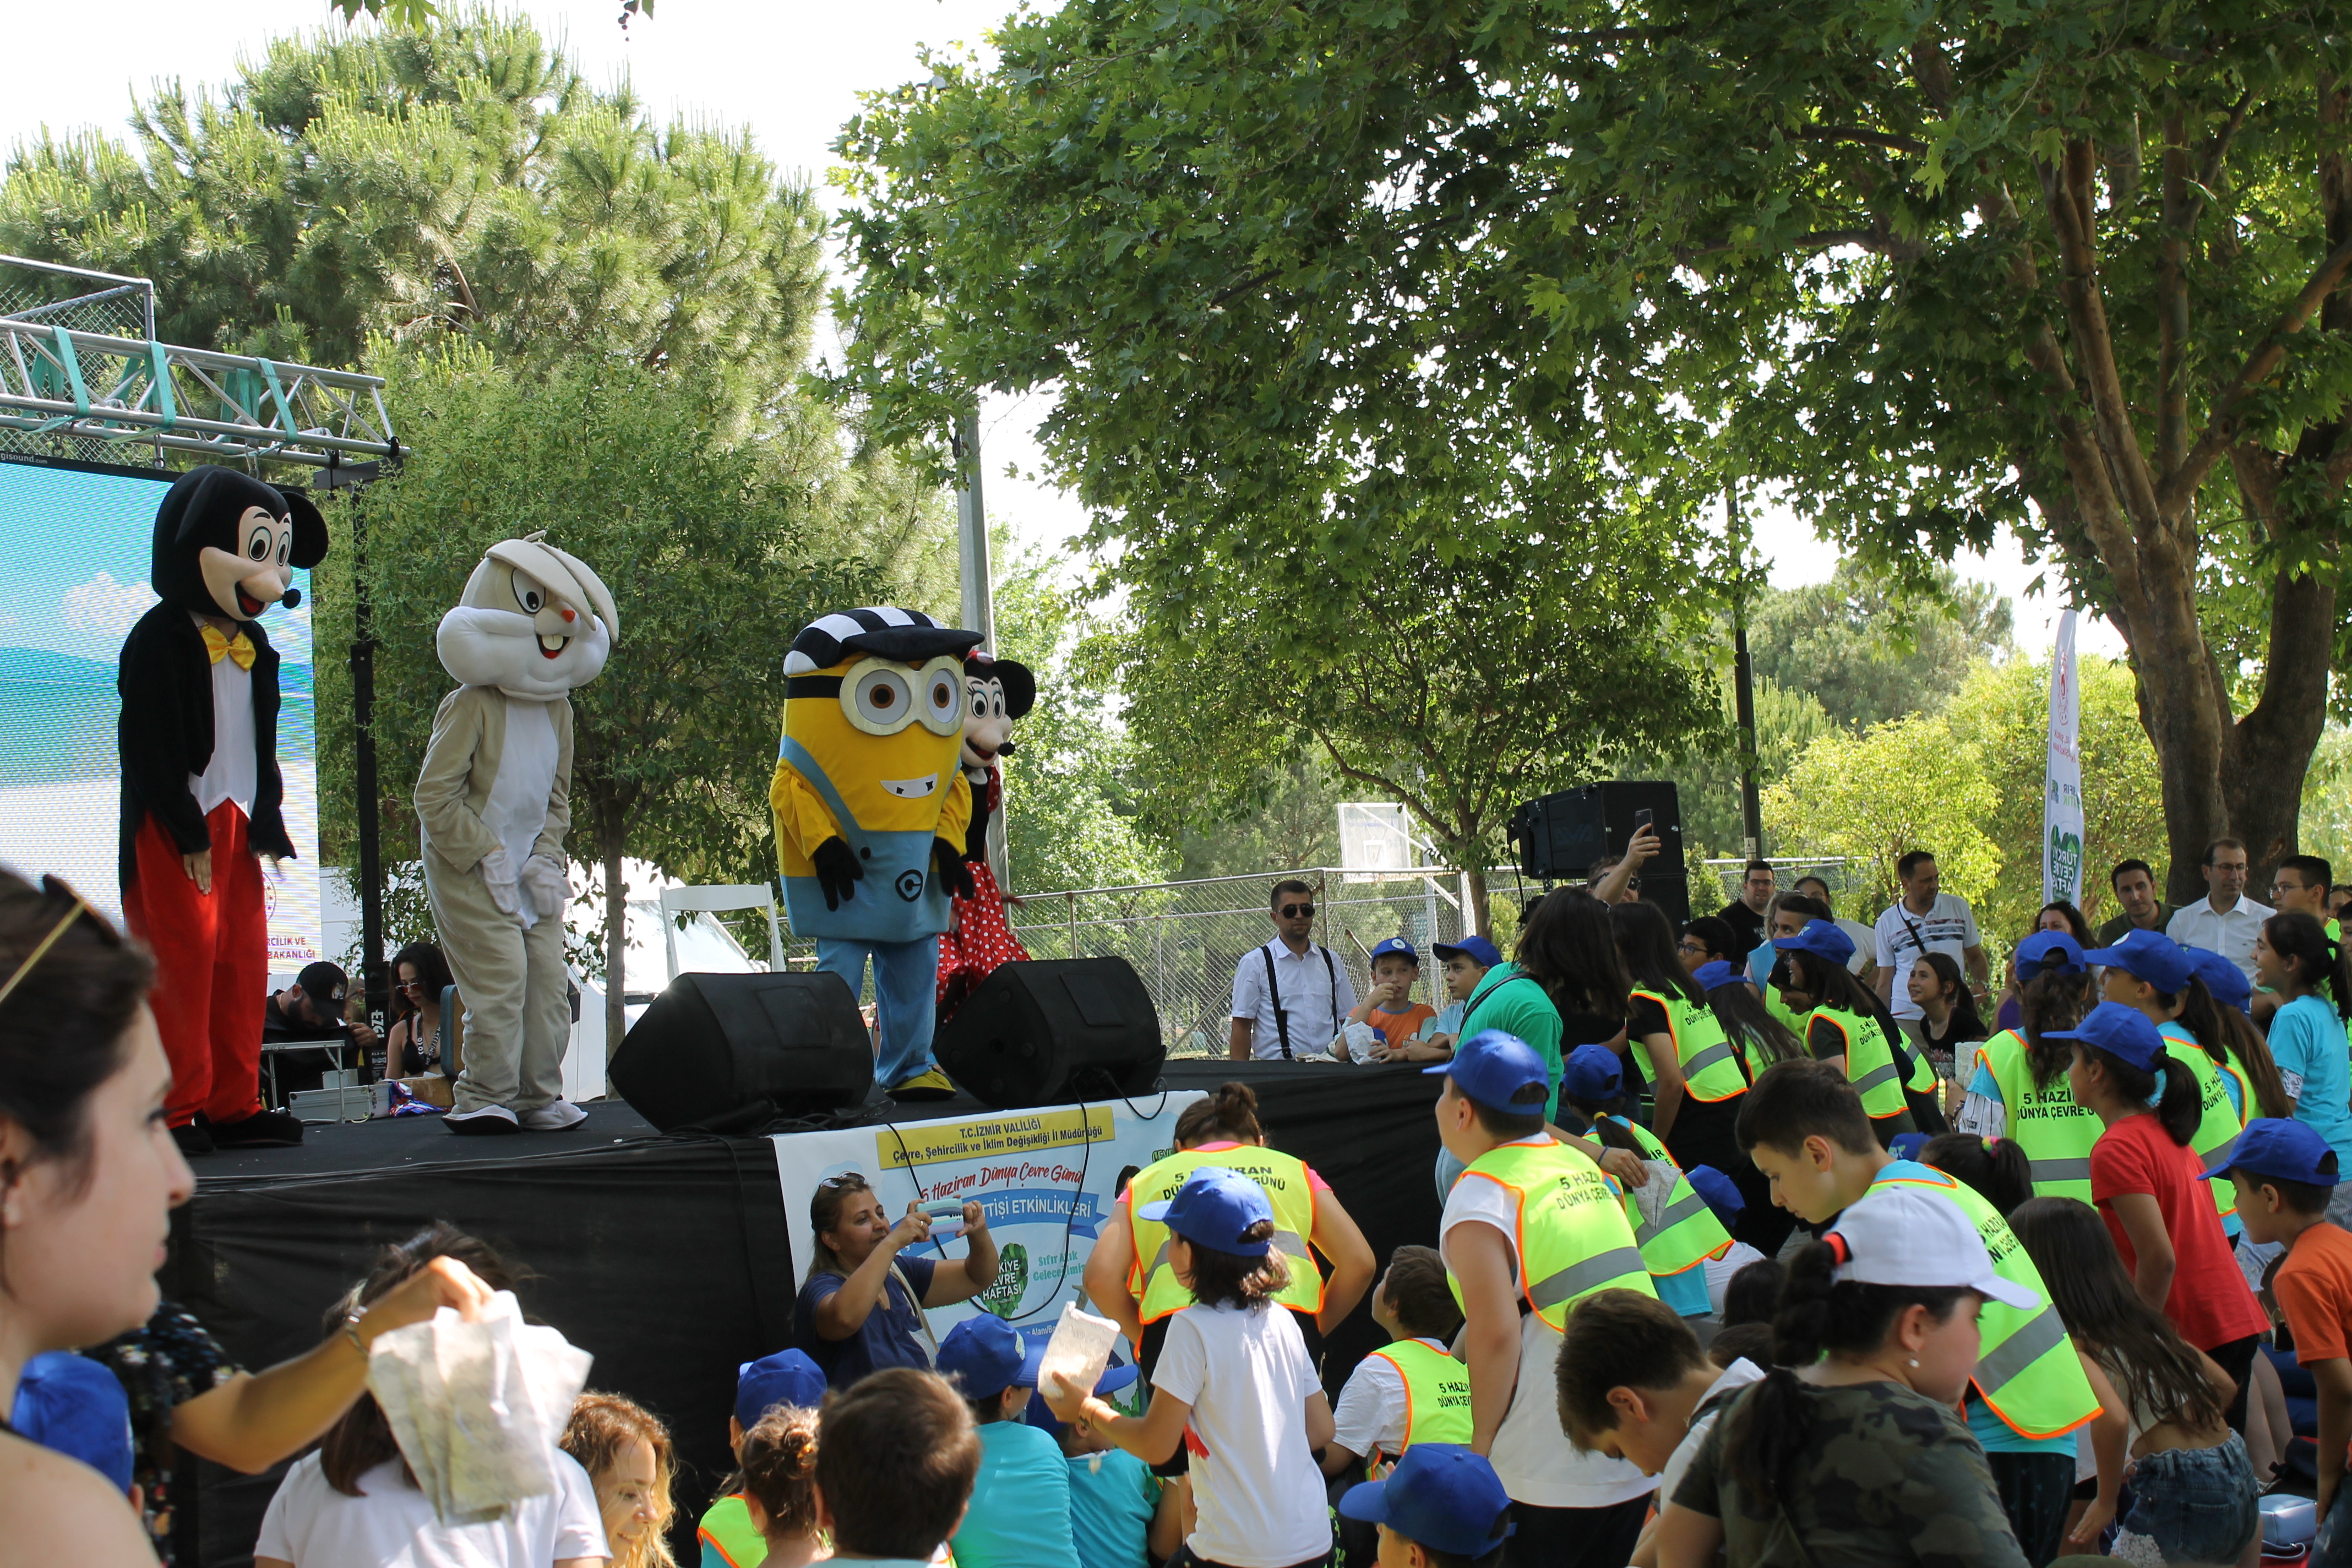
point(90, 392)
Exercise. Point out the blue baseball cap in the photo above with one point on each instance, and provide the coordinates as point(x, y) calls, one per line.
point(1593, 1074)
point(1213, 1208)
point(2224, 979)
point(1492, 1065)
point(1908, 1145)
point(1441, 1497)
point(2283, 1149)
point(71, 1404)
point(1397, 945)
point(1040, 1414)
point(1722, 1195)
point(1715, 972)
point(2148, 955)
point(2050, 952)
point(1822, 939)
point(1477, 948)
point(988, 1356)
point(787, 1377)
point(2121, 1031)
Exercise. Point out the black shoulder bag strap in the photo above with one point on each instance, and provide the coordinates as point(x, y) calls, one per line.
point(1281, 1017)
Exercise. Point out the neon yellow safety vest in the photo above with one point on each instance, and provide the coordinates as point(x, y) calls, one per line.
point(1436, 1394)
point(1711, 1069)
point(1572, 1231)
point(2055, 1133)
point(1688, 1234)
point(1870, 1061)
point(2027, 1370)
point(2219, 1123)
point(726, 1529)
point(1286, 1187)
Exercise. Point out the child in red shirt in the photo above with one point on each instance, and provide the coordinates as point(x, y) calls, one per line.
point(2151, 1189)
point(2285, 1173)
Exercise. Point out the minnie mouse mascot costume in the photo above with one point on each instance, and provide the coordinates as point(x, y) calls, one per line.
point(977, 939)
point(201, 790)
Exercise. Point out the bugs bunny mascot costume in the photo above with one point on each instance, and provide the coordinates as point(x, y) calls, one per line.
point(493, 802)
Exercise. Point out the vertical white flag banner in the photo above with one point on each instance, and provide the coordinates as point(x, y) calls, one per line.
point(2061, 795)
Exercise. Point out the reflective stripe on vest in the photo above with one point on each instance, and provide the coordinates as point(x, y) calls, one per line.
point(2027, 1370)
point(2055, 1133)
point(1710, 1068)
point(1688, 1234)
point(1572, 1235)
point(1284, 1177)
point(1870, 1064)
point(2218, 1125)
point(1436, 1394)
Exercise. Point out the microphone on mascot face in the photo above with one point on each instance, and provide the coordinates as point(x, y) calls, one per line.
point(292, 599)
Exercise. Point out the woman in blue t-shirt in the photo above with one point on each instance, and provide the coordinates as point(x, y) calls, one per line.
point(861, 1307)
point(2295, 958)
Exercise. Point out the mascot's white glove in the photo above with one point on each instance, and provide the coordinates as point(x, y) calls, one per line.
point(498, 876)
point(548, 883)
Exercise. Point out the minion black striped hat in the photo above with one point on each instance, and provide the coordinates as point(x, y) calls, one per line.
point(884, 631)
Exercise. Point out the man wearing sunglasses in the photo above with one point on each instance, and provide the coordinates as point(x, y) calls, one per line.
point(1289, 995)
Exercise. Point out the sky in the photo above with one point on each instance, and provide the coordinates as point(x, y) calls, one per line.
point(792, 72)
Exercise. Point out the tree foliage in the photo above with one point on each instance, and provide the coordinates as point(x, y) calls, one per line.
point(460, 180)
point(1908, 784)
point(1868, 648)
point(1938, 271)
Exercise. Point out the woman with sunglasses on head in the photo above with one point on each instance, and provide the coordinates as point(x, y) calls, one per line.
point(427, 1018)
point(861, 1307)
point(89, 1176)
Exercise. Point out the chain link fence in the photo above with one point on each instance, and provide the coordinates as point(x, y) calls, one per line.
point(79, 302)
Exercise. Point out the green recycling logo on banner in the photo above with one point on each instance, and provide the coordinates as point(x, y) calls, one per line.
point(1004, 1297)
point(2065, 861)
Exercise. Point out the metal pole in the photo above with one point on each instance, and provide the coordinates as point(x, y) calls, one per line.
point(1743, 681)
point(363, 663)
point(971, 526)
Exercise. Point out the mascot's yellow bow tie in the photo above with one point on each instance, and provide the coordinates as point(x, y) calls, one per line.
point(239, 647)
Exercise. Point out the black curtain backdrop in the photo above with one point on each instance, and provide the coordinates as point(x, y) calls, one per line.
point(666, 1258)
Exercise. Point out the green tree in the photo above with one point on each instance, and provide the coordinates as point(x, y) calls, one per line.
point(2328, 802)
point(1707, 776)
point(2003, 715)
point(1288, 820)
point(2072, 272)
point(716, 553)
point(461, 179)
point(1869, 647)
point(1908, 784)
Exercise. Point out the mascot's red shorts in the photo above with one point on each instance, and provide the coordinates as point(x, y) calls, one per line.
point(212, 966)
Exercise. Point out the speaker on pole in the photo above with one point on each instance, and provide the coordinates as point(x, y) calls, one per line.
point(1561, 836)
point(1049, 1031)
point(728, 1051)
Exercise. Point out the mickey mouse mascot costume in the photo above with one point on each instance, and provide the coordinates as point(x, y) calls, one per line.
point(201, 790)
point(999, 691)
point(871, 810)
point(493, 803)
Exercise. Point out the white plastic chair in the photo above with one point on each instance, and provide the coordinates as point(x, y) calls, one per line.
point(756, 896)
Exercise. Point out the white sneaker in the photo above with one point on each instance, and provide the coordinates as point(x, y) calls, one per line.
point(555, 1116)
point(489, 1119)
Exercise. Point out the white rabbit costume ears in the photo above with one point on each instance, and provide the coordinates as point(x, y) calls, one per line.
point(564, 573)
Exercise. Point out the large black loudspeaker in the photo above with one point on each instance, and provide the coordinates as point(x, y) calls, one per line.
point(1054, 1030)
point(1559, 836)
point(732, 1050)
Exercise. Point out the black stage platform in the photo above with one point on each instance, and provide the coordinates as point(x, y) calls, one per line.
point(663, 1256)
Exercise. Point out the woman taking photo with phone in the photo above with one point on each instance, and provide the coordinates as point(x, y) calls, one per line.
point(861, 1307)
point(89, 1176)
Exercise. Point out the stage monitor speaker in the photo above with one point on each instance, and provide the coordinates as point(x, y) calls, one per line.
point(732, 1050)
point(1054, 1030)
point(1559, 836)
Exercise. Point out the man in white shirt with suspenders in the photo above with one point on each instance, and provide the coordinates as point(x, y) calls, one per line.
point(1290, 994)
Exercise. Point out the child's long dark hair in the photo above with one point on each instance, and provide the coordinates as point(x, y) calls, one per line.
point(1766, 1441)
point(2296, 935)
point(2154, 1368)
point(1759, 1038)
point(1569, 948)
point(2226, 1033)
point(1967, 1023)
point(2051, 999)
point(2182, 1107)
point(1646, 940)
point(1833, 985)
point(1996, 1167)
point(1219, 1277)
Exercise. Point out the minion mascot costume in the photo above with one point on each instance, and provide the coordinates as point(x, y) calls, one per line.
point(867, 792)
point(493, 803)
point(201, 789)
point(977, 939)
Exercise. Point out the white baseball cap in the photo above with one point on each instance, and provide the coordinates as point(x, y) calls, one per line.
point(1907, 1235)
